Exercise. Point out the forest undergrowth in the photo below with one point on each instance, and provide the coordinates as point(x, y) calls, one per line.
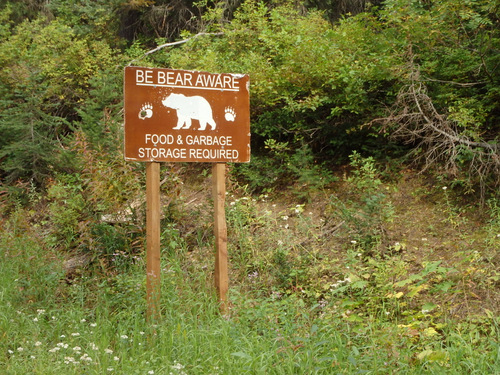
point(371, 275)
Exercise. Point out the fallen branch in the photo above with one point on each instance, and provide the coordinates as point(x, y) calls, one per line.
point(436, 139)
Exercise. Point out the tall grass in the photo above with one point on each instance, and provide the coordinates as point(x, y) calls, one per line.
point(95, 324)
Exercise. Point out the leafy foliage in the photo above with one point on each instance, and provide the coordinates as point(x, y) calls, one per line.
point(309, 82)
point(314, 85)
point(45, 77)
point(318, 85)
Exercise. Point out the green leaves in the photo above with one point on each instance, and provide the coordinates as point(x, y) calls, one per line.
point(46, 72)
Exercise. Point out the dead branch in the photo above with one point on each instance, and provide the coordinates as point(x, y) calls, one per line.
point(437, 139)
point(460, 84)
point(171, 44)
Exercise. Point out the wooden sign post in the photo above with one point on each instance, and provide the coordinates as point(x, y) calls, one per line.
point(153, 267)
point(220, 231)
point(185, 116)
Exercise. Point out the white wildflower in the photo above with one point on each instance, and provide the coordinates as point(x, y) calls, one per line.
point(299, 208)
point(86, 357)
point(177, 366)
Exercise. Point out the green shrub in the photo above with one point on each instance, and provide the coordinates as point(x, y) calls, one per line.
point(67, 210)
point(297, 170)
point(368, 209)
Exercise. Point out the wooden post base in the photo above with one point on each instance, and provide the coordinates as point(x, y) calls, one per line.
point(220, 231)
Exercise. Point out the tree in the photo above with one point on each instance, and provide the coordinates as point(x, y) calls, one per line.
point(44, 80)
point(29, 136)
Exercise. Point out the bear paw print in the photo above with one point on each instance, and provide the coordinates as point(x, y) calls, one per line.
point(146, 111)
point(230, 115)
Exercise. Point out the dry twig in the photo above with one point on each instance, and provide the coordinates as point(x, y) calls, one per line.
point(171, 44)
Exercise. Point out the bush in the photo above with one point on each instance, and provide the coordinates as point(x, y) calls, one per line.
point(311, 84)
point(368, 209)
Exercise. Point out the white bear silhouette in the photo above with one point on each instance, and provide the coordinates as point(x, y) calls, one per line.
point(189, 108)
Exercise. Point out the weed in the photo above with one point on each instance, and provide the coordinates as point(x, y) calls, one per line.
point(369, 209)
point(455, 215)
point(493, 229)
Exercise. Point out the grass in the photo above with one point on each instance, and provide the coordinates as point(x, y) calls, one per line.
point(302, 301)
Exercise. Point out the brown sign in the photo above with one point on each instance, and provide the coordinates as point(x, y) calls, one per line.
point(186, 116)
